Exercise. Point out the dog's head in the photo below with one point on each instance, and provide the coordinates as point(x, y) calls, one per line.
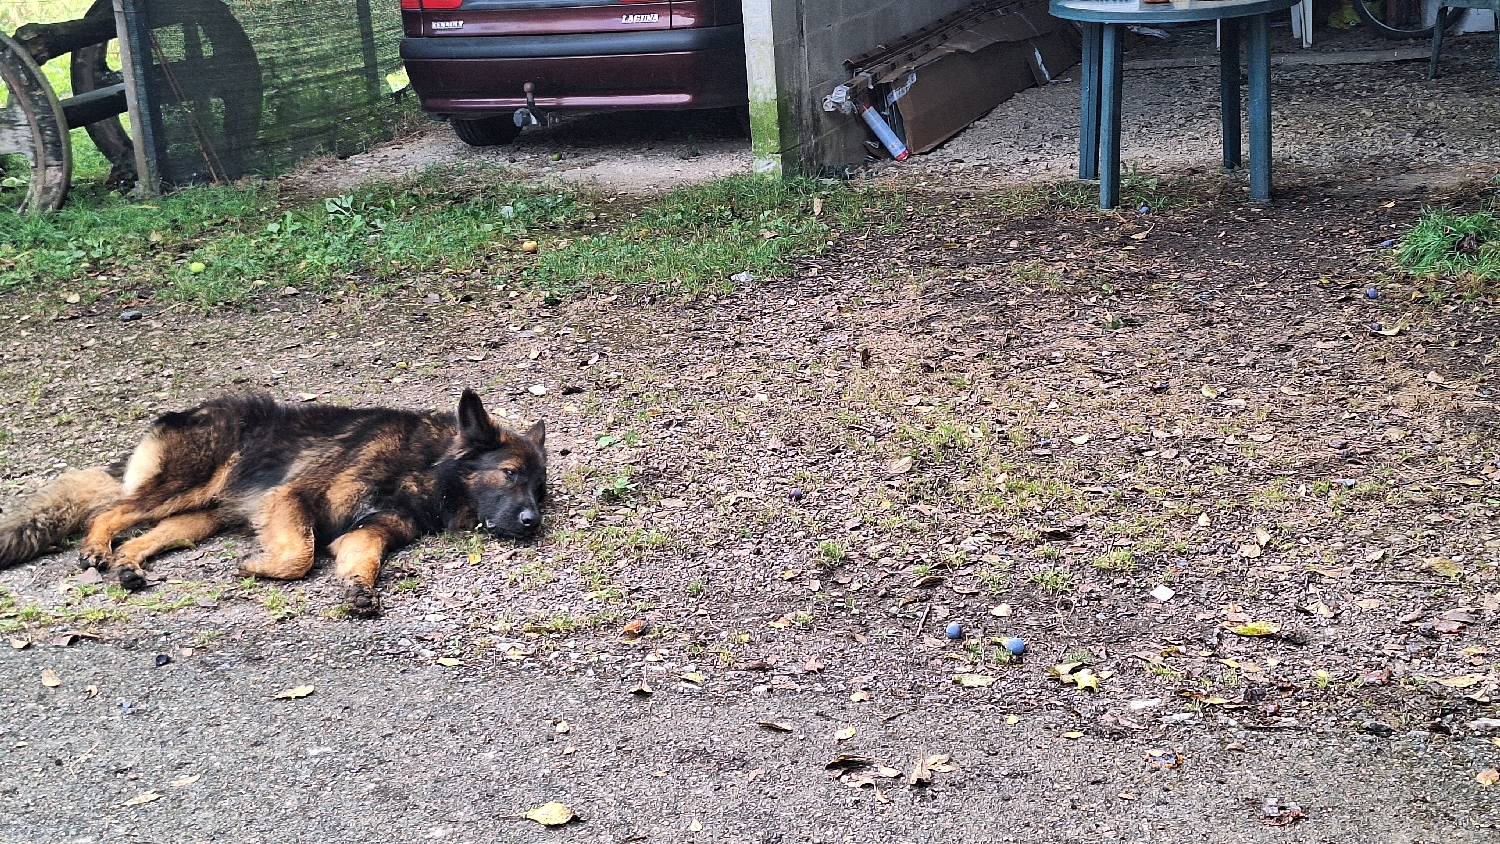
point(506, 472)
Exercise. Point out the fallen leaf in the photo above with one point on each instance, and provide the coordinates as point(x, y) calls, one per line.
point(1257, 628)
point(184, 781)
point(93, 691)
point(1462, 681)
point(642, 688)
point(562, 727)
point(848, 762)
point(1487, 777)
point(143, 797)
point(1443, 566)
point(551, 814)
point(1210, 392)
point(1318, 608)
point(695, 826)
point(920, 774)
point(1000, 611)
point(1064, 670)
point(293, 692)
point(1262, 536)
point(68, 637)
point(1369, 603)
point(900, 467)
point(449, 661)
point(1079, 440)
point(1204, 520)
point(845, 734)
point(860, 696)
point(1072, 734)
point(19, 644)
point(1086, 679)
point(50, 678)
point(1435, 378)
point(693, 677)
point(778, 726)
point(973, 681)
point(1202, 697)
point(1250, 550)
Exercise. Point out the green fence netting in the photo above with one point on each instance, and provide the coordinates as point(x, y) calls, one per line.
point(254, 86)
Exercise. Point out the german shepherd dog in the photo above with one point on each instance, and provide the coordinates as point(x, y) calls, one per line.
point(357, 481)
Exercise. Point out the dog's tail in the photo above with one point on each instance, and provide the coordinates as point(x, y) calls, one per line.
point(49, 517)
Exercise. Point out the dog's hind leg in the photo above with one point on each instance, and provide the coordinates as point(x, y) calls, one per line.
point(357, 556)
point(154, 489)
point(171, 532)
point(285, 530)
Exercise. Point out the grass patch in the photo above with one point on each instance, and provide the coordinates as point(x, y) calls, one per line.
point(1460, 245)
point(1054, 580)
point(213, 246)
point(694, 238)
point(1138, 189)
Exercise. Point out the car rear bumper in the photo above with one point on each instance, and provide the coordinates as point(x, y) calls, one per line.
point(665, 69)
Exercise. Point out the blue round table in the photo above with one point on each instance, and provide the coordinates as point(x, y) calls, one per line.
point(1102, 71)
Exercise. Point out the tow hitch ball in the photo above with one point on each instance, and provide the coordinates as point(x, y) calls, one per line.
point(527, 116)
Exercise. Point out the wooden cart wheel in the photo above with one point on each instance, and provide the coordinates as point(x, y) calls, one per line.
point(210, 61)
point(89, 71)
point(32, 124)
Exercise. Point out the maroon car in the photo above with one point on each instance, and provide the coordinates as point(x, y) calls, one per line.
point(494, 66)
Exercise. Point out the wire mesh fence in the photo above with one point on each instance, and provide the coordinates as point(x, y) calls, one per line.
point(236, 87)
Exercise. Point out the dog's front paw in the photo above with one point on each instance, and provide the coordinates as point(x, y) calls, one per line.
point(133, 579)
point(361, 601)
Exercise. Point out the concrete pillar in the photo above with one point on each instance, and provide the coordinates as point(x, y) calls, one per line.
point(794, 54)
point(765, 91)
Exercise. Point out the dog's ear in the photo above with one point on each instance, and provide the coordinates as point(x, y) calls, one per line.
point(538, 434)
point(475, 428)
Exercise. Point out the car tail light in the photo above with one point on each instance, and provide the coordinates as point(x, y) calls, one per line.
point(431, 4)
point(411, 4)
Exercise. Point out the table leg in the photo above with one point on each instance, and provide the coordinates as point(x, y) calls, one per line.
point(1229, 89)
point(1088, 107)
point(1259, 61)
point(1440, 24)
point(1112, 77)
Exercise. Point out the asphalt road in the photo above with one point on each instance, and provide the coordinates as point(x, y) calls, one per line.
point(393, 747)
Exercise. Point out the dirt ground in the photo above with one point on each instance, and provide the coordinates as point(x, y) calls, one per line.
point(1244, 507)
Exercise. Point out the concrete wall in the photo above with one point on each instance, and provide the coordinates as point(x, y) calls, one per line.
point(795, 53)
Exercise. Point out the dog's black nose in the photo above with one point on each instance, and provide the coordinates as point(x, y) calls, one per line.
point(529, 518)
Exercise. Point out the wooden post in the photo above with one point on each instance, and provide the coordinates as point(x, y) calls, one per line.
point(133, 34)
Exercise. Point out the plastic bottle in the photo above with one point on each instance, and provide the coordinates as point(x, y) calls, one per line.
point(883, 131)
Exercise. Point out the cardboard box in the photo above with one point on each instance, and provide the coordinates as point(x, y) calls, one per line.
point(949, 74)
